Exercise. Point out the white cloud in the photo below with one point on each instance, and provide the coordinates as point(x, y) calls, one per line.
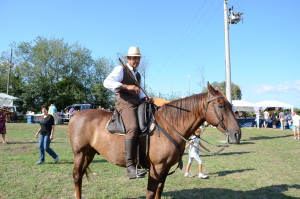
point(285, 87)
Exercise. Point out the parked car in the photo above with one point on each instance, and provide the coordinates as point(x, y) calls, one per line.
point(78, 107)
point(17, 112)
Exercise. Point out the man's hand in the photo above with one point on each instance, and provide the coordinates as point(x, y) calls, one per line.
point(149, 99)
point(131, 88)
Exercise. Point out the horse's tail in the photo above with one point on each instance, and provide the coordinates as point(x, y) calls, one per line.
point(87, 173)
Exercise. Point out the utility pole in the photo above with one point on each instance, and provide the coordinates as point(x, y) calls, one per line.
point(227, 53)
point(232, 18)
point(10, 65)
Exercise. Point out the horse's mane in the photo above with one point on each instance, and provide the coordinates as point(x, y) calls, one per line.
point(182, 107)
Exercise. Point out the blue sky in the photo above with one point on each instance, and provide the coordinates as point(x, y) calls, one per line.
point(182, 41)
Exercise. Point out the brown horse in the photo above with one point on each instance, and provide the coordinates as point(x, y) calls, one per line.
point(88, 135)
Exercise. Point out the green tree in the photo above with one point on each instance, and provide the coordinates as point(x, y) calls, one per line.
point(236, 93)
point(52, 71)
point(101, 95)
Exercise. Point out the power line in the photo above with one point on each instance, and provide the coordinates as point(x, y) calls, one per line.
point(194, 24)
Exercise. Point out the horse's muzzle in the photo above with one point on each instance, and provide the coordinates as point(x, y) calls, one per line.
point(234, 137)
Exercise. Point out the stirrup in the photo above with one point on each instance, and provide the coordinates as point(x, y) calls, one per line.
point(134, 173)
point(140, 173)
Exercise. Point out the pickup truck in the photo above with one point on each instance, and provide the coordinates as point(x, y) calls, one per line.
point(65, 117)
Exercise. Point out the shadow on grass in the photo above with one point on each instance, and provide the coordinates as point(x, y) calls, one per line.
point(274, 191)
point(31, 142)
point(243, 143)
point(224, 173)
point(94, 161)
point(268, 137)
point(229, 153)
point(235, 153)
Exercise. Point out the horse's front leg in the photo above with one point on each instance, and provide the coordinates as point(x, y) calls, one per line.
point(161, 185)
point(156, 181)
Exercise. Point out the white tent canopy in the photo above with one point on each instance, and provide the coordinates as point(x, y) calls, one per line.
point(242, 105)
point(276, 104)
point(7, 100)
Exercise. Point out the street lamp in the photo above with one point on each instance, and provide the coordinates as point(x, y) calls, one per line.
point(232, 18)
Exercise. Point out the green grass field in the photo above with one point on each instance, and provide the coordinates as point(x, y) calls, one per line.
point(266, 165)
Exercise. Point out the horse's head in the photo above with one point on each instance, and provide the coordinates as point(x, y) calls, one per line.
point(219, 113)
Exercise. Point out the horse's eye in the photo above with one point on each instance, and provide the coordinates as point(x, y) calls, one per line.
point(221, 106)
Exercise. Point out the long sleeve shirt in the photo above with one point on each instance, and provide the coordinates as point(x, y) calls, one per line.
point(113, 80)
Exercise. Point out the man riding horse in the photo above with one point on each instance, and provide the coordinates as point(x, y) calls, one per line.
point(128, 96)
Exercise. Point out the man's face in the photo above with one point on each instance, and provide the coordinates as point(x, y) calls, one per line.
point(134, 61)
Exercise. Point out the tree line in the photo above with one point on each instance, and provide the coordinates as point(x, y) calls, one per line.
point(52, 71)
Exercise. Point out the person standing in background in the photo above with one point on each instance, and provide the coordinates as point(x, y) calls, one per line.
point(274, 119)
point(52, 109)
point(266, 118)
point(296, 124)
point(3, 112)
point(71, 111)
point(281, 118)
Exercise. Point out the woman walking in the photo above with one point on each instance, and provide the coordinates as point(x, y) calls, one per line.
point(46, 132)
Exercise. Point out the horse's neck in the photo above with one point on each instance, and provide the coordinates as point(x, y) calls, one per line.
point(183, 116)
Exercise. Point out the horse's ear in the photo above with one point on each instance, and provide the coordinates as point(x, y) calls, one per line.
point(211, 89)
point(222, 93)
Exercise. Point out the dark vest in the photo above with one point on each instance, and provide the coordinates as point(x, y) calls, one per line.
point(126, 95)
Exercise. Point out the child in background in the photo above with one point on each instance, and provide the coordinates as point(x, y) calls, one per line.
point(194, 154)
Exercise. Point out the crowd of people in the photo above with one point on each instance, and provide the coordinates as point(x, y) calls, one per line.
point(277, 118)
point(273, 119)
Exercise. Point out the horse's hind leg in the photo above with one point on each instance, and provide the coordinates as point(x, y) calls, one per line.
point(82, 160)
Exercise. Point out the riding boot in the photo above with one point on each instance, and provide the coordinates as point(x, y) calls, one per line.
point(130, 150)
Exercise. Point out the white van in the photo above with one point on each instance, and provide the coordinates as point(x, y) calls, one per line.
point(17, 110)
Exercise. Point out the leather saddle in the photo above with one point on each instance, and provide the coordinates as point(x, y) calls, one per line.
point(145, 117)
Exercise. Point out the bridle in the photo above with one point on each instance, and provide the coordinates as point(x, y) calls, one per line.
point(160, 129)
point(181, 136)
point(219, 119)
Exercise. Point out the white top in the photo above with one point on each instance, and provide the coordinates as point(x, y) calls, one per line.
point(193, 152)
point(266, 115)
point(281, 115)
point(113, 80)
point(296, 120)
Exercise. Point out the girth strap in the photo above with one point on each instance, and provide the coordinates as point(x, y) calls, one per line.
point(180, 163)
point(169, 137)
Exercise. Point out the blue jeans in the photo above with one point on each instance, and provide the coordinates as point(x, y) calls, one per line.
point(44, 145)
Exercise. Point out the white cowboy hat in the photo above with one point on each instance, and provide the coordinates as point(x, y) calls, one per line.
point(133, 52)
